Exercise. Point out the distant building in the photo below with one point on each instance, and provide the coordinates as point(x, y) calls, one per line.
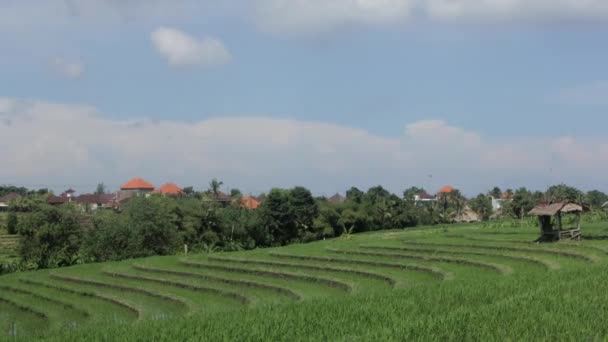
point(170, 189)
point(248, 202)
point(498, 203)
point(6, 199)
point(94, 202)
point(424, 197)
point(136, 186)
point(336, 199)
point(446, 190)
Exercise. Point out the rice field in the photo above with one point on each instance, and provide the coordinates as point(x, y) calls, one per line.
point(462, 282)
point(8, 247)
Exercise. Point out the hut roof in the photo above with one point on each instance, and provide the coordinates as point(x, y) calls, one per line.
point(467, 215)
point(554, 208)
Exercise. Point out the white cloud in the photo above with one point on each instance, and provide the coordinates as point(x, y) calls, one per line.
point(180, 49)
point(45, 143)
point(73, 70)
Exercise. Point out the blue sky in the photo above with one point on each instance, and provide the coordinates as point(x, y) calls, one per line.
point(527, 73)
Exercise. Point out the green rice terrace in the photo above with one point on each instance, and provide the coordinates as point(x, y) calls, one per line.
point(458, 282)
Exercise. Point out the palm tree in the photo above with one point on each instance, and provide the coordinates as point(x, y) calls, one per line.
point(214, 187)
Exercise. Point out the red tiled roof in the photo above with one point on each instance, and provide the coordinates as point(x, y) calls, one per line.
point(170, 189)
point(137, 184)
point(446, 190)
point(250, 202)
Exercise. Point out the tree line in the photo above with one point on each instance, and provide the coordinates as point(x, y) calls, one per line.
point(56, 236)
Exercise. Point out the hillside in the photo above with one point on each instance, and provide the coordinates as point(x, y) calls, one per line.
point(461, 282)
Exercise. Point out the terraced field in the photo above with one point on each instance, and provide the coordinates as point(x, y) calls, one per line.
point(387, 285)
point(8, 247)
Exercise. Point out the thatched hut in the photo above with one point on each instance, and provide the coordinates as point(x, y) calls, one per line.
point(551, 224)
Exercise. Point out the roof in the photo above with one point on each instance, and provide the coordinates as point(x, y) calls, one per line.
point(425, 196)
point(137, 184)
point(220, 197)
point(104, 199)
point(335, 199)
point(446, 189)
point(250, 202)
point(170, 189)
point(506, 195)
point(467, 215)
point(10, 197)
point(57, 200)
point(554, 208)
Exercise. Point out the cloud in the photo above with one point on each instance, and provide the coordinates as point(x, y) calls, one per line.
point(65, 145)
point(516, 9)
point(587, 94)
point(289, 17)
point(180, 49)
point(315, 16)
point(73, 70)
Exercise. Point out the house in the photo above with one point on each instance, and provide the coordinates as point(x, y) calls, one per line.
point(6, 199)
point(446, 190)
point(336, 199)
point(94, 202)
point(248, 202)
point(424, 197)
point(57, 200)
point(134, 187)
point(498, 203)
point(170, 189)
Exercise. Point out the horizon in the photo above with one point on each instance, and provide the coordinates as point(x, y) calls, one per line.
point(278, 93)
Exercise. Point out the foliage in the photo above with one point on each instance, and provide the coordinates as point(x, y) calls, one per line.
point(50, 236)
point(495, 192)
point(564, 193)
point(101, 189)
point(482, 205)
point(11, 222)
point(596, 198)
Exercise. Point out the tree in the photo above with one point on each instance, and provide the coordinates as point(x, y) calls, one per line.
point(214, 187)
point(153, 223)
point(482, 205)
point(456, 201)
point(276, 216)
point(50, 236)
point(411, 193)
point(189, 190)
point(522, 202)
point(564, 193)
point(354, 195)
point(495, 192)
point(11, 222)
point(101, 189)
point(236, 193)
point(304, 210)
point(596, 198)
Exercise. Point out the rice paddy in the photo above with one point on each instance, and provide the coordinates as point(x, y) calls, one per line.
point(464, 282)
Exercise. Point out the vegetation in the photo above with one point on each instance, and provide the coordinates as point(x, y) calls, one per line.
point(471, 282)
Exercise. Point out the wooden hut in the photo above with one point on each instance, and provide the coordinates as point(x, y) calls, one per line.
point(551, 224)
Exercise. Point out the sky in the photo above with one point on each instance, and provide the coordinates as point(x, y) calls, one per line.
point(326, 94)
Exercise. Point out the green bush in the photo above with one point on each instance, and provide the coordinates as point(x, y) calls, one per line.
point(11, 222)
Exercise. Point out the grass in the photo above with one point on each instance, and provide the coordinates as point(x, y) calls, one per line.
point(466, 282)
